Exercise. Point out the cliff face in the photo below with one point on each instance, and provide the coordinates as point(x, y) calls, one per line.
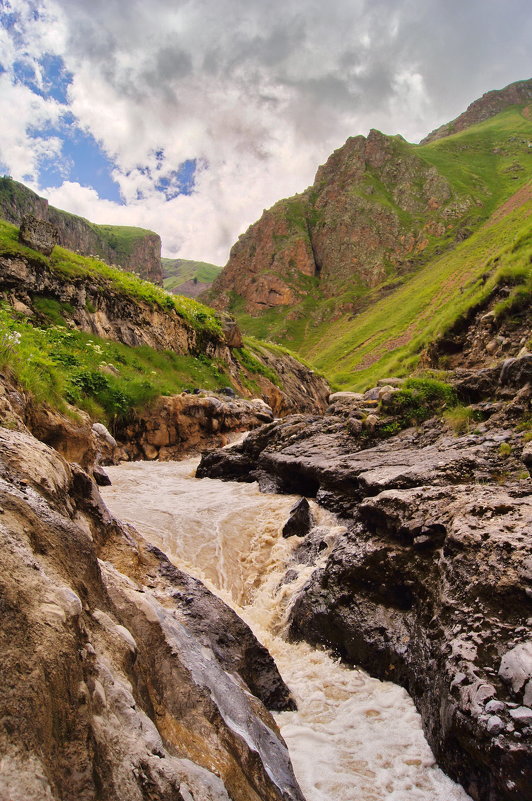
point(373, 210)
point(123, 677)
point(485, 107)
point(92, 304)
point(142, 254)
point(379, 209)
point(430, 584)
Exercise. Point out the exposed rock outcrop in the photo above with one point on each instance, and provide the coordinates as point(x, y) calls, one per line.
point(123, 678)
point(173, 426)
point(38, 234)
point(430, 585)
point(93, 304)
point(487, 106)
point(142, 254)
point(339, 230)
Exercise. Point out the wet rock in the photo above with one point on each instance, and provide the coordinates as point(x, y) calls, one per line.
point(38, 234)
point(430, 581)
point(133, 661)
point(100, 476)
point(300, 521)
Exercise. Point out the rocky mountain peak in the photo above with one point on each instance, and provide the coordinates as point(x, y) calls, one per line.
point(490, 104)
point(372, 210)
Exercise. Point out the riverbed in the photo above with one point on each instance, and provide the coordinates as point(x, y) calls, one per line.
point(353, 737)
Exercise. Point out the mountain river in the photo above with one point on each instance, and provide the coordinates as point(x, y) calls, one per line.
point(353, 738)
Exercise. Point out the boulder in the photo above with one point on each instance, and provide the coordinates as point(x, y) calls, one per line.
point(300, 521)
point(345, 396)
point(38, 234)
point(232, 333)
point(100, 476)
point(391, 382)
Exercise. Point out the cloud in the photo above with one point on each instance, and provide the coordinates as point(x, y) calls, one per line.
point(258, 94)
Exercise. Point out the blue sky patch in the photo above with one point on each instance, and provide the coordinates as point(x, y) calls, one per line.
point(178, 182)
point(55, 77)
point(82, 160)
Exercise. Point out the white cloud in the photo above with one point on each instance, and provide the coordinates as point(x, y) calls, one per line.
point(260, 93)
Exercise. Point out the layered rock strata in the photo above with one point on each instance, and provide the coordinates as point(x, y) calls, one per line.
point(93, 305)
point(123, 678)
point(430, 586)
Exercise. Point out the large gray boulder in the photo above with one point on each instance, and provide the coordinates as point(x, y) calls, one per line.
point(38, 234)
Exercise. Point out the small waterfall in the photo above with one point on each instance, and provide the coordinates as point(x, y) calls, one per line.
point(353, 738)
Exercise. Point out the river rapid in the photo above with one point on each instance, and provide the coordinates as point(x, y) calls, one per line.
point(353, 738)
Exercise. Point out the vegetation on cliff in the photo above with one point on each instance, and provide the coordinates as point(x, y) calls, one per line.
point(71, 264)
point(75, 330)
point(388, 249)
point(179, 271)
point(136, 249)
point(105, 378)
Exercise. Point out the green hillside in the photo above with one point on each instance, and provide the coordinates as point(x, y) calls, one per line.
point(360, 333)
point(177, 271)
point(121, 238)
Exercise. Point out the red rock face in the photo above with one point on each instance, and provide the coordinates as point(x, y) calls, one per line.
point(370, 212)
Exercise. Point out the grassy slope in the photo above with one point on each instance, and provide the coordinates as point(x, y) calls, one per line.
point(70, 264)
point(177, 271)
point(388, 337)
point(121, 238)
point(106, 378)
point(489, 162)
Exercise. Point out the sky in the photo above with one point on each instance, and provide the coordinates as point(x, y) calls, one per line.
point(189, 117)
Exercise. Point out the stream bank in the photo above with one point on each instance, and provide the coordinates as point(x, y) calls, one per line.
point(352, 736)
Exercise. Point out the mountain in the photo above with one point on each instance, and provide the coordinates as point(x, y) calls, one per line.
point(134, 249)
point(187, 277)
point(487, 106)
point(390, 245)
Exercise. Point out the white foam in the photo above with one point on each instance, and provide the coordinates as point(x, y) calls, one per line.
point(352, 737)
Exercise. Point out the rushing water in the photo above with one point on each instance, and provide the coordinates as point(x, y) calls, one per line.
point(353, 738)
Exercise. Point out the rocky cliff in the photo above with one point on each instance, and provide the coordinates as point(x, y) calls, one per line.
point(133, 249)
point(484, 108)
point(92, 304)
point(379, 212)
point(123, 678)
point(374, 207)
point(430, 586)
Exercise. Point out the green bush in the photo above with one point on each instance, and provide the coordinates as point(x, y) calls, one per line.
point(419, 399)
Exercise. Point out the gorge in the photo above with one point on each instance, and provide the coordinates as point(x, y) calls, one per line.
point(206, 542)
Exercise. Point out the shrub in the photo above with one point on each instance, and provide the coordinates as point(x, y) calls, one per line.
point(460, 418)
point(419, 399)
